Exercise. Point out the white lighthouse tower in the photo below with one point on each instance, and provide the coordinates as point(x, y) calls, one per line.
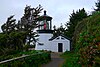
point(45, 32)
point(46, 39)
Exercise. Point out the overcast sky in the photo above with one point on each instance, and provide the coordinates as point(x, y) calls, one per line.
point(58, 9)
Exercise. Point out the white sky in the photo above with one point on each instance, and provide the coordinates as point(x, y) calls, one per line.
point(58, 9)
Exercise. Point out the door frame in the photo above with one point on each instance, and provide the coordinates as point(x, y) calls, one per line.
point(60, 47)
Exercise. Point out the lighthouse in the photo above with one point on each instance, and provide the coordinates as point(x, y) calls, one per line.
point(45, 32)
point(46, 40)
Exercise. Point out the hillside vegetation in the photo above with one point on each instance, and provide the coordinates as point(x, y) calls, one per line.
point(86, 42)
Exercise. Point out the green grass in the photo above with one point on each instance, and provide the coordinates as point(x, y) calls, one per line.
point(71, 59)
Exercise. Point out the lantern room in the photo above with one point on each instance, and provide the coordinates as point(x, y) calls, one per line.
point(44, 22)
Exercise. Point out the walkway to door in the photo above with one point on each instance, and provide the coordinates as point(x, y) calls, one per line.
point(56, 61)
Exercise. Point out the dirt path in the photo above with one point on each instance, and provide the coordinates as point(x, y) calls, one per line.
point(56, 61)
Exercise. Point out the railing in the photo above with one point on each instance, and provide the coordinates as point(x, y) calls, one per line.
point(17, 58)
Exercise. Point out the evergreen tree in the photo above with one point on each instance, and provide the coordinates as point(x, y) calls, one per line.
point(9, 26)
point(75, 17)
point(59, 31)
point(28, 22)
point(97, 5)
point(17, 33)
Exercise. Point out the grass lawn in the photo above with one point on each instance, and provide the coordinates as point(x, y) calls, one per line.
point(70, 59)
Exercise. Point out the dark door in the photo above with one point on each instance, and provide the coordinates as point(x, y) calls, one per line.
point(60, 47)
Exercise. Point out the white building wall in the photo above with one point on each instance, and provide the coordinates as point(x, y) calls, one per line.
point(39, 47)
point(53, 44)
point(66, 46)
point(65, 42)
point(43, 38)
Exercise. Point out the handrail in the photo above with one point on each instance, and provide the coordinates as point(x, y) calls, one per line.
point(9, 60)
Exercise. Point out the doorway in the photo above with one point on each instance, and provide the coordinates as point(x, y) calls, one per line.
point(60, 47)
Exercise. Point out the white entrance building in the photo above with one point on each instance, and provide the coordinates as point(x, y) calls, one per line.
point(46, 40)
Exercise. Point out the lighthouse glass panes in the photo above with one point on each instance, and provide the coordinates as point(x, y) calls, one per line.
point(47, 25)
point(44, 25)
point(44, 22)
point(41, 23)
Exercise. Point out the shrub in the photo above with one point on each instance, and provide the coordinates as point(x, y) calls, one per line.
point(34, 60)
point(86, 43)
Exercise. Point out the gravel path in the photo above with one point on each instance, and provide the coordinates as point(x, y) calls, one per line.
point(56, 61)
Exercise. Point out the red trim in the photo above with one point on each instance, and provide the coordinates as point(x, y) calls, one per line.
point(44, 26)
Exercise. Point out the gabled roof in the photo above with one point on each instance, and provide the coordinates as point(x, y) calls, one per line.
point(54, 37)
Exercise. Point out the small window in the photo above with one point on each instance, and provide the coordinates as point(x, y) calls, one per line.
point(62, 38)
point(40, 44)
point(57, 38)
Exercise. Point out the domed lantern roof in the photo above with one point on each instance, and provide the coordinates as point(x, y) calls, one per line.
point(44, 17)
point(44, 22)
